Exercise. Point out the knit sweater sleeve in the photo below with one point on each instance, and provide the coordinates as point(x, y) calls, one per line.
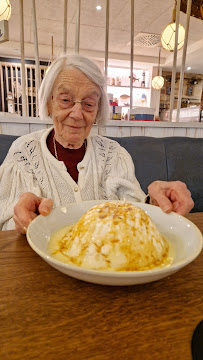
point(122, 180)
point(13, 182)
point(118, 173)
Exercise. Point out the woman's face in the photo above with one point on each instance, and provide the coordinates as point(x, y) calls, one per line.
point(73, 107)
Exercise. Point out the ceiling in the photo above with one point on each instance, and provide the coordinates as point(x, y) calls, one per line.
point(151, 17)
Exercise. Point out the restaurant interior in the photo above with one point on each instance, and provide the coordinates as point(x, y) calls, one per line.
point(56, 309)
point(126, 45)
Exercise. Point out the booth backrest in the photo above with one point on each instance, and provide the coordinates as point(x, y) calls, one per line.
point(167, 158)
point(5, 143)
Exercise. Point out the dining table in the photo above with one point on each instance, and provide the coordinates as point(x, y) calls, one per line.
point(45, 314)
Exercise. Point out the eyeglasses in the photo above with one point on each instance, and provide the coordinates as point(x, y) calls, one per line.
point(87, 104)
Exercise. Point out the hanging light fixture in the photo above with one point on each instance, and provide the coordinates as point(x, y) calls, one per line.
point(5, 10)
point(168, 35)
point(158, 81)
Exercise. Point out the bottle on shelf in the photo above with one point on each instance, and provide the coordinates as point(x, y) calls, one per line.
point(118, 81)
point(143, 99)
point(143, 79)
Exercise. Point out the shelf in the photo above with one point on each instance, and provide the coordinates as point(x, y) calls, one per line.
point(183, 98)
point(188, 97)
point(134, 87)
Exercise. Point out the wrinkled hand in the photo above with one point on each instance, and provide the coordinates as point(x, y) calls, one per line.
point(28, 207)
point(171, 196)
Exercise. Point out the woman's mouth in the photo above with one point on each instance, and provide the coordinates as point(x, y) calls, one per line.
point(74, 127)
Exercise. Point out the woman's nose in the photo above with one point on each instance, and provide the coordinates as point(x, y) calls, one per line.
point(76, 111)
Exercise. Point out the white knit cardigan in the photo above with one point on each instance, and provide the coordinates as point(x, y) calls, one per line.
point(106, 172)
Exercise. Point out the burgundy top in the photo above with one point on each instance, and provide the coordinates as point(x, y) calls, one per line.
point(70, 157)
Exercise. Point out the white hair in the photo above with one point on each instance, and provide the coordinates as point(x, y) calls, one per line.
point(89, 68)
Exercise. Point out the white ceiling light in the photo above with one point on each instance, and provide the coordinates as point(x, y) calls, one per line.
point(168, 35)
point(98, 7)
point(158, 82)
point(189, 68)
point(5, 10)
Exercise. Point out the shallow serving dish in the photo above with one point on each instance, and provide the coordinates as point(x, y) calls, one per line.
point(185, 237)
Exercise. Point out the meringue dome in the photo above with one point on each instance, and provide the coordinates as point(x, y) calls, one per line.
point(116, 236)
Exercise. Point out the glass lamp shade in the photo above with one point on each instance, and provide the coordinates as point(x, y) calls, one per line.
point(168, 37)
point(158, 82)
point(5, 10)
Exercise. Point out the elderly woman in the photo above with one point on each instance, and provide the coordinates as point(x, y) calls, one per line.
point(65, 164)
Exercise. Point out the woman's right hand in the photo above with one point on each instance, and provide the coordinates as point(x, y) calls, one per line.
point(28, 207)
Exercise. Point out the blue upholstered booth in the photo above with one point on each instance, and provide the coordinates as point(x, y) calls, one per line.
point(167, 158)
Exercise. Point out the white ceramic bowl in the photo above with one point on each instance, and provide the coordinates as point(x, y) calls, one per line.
point(184, 235)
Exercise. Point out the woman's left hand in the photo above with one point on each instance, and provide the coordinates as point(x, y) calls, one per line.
point(171, 196)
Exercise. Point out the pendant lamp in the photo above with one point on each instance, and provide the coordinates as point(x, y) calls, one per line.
point(158, 81)
point(168, 35)
point(5, 10)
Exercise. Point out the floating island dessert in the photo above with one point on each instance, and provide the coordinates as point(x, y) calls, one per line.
point(113, 236)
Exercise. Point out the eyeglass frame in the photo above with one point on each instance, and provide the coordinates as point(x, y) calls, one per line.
point(73, 102)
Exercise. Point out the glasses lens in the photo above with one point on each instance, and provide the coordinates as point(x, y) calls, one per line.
point(67, 101)
point(89, 104)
